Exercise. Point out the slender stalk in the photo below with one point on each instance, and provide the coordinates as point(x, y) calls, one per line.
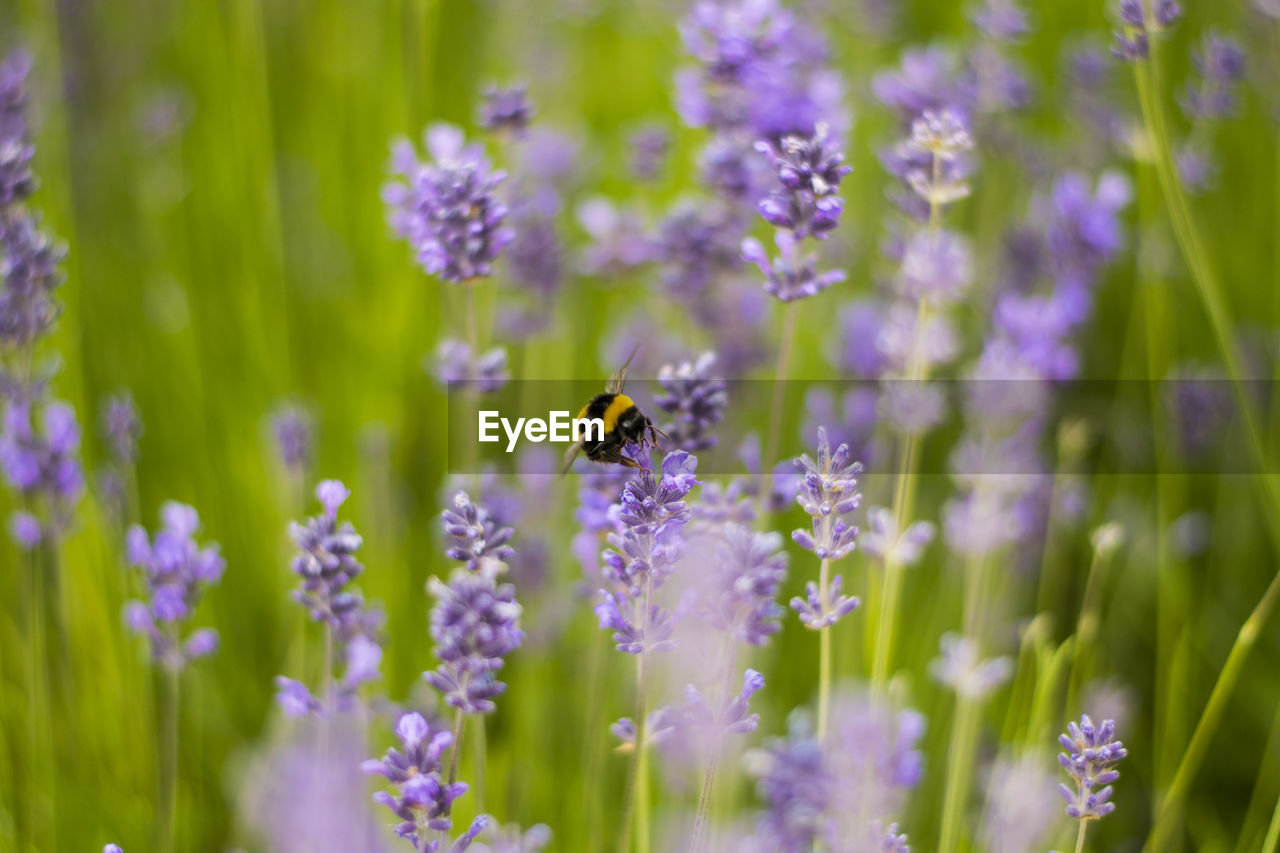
point(964, 730)
point(975, 594)
point(713, 763)
point(477, 773)
point(1086, 628)
point(168, 801)
point(779, 397)
point(1210, 294)
point(642, 759)
point(1171, 806)
point(824, 654)
point(1273, 832)
point(459, 721)
point(1084, 826)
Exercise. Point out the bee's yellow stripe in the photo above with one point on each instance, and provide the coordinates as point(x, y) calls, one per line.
point(583, 413)
point(617, 406)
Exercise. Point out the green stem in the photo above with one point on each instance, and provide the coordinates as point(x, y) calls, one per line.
point(169, 758)
point(1273, 832)
point(824, 654)
point(477, 772)
point(1171, 806)
point(1210, 294)
point(459, 723)
point(964, 730)
point(1084, 826)
point(779, 396)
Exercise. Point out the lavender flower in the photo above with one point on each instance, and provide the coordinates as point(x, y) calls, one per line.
point(122, 427)
point(649, 147)
point(447, 209)
point(478, 543)
point(838, 793)
point(828, 491)
point(455, 367)
point(176, 571)
point(933, 156)
point(789, 277)
point(809, 171)
point(695, 398)
point(1090, 755)
point(422, 799)
point(619, 242)
point(925, 80)
point(26, 530)
point(700, 724)
point(294, 434)
point(937, 265)
point(326, 562)
point(744, 574)
point(1220, 63)
point(885, 541)
point(1137, 26)
point(506, 110)
point(645, 546)
point(818, 611)
point(475, 625)
point(31, 273)
point(1003, 20)
point(960, 668)
point(1018, 815)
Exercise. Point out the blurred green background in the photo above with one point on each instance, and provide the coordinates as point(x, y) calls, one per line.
point(214, 168)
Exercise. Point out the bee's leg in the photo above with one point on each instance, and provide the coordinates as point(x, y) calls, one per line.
point(630, 463)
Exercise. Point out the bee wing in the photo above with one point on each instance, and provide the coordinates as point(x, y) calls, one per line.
point(569, 456)
point(619, 379)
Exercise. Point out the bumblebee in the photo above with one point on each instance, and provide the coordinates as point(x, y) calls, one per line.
point(624, 424)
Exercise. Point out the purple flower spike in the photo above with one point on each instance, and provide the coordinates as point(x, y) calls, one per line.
point(695, 398)
point(885, 541)
point(447, 209)
point(176, 571)
point(478, 542)
point(828, 491)
point(506, 110)
point(960, 668)
point(293, 432)
point(122, 427)
point(1091, 754)
point(814, 615)
point(422, 799)
point(475, 625)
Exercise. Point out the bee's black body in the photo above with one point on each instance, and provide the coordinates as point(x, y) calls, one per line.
point(624, 424)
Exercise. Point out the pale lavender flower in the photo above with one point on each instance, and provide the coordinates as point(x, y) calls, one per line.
point(1019, 809)
point(477, 541)
point(422, 798)
point(620, 241)
point(1137, 26)
point(701, 725)
point(475, 625)
point(850, 420)
point(1003, 20)
point(600, 487)
point(13, 94)
point(730, 168)
point(514, 839)
point(937, 265)
point(26, 530)
point(506, 110)
point(454, 367)
point(1220, 64)
point(743, 575)
point(644, 548)
point(301, 799)
point(961, 669)
point(925, 80)
point(293, 430)
point(839, 793)
point(176, 570)
point(447, 209)
point(1091, 754)
point(1084, 231)
point(885, 541)
point(535, 257)
point(31, 274)
point(695, 245)
point(695, 398)
point(858, 352)
point(827, 492)
point(121, 427)
point(649, 147)
point(42, 463)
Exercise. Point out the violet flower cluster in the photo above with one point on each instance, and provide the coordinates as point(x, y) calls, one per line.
point(695, 398)
point(1090, 758)
point(805, 203)
point(645, 546)
point(1140, 21)
point(1208, 98)
point(475, 621)
point(326, 564)
point(39, 438)
point(175, 570)
point(828, 494)
point(421, 797)
point(475, 625)
point(960, 668)
point(840, 792)
point(294, 434)
point(447, 209)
